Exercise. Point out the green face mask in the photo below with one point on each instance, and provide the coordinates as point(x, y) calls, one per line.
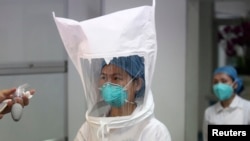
point(114, 94)
point(223, 91)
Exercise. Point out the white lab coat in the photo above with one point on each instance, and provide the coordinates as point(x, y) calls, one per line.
point(238, 113)
point(123, 33)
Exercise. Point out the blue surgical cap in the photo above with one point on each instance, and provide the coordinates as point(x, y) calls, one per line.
point(231, 71)
point(134, 66)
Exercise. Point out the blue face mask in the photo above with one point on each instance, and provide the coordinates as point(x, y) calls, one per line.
point(223, 91)
point(114, 94)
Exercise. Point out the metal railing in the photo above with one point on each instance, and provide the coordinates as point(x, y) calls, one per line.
point(33, 68)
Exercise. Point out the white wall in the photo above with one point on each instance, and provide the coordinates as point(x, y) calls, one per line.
point(169, 81)
point(192, 71)
point(207, 57)
point(28, 34)
point(232, 9)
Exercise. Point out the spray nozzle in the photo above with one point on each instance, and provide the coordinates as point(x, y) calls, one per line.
point(20, 91)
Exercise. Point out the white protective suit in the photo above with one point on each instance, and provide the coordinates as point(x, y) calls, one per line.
point(94, 43)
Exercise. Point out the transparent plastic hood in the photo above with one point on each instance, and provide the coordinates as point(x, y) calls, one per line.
point(115, 57)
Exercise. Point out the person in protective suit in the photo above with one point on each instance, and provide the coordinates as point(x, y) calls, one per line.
point(115, 56)
point(122, 87)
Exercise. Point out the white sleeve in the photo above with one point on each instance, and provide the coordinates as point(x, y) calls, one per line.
point(164, 136)
point(155, 131)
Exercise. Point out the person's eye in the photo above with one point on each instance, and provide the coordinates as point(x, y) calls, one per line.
point(224, 81)
point(103, 77)
point(117, 78)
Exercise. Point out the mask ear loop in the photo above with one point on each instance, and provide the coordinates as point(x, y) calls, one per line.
point(130, 81)
point(233, 85)
point(124, 88)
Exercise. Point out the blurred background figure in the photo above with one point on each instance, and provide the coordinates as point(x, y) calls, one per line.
point(231, 107)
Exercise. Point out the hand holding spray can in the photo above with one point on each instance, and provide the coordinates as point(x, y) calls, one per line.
point(17, 108)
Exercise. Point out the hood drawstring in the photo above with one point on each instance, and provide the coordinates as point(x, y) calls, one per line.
point(102, 130)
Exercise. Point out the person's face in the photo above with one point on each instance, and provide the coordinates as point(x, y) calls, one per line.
point(223, 78)
point(114, 74)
